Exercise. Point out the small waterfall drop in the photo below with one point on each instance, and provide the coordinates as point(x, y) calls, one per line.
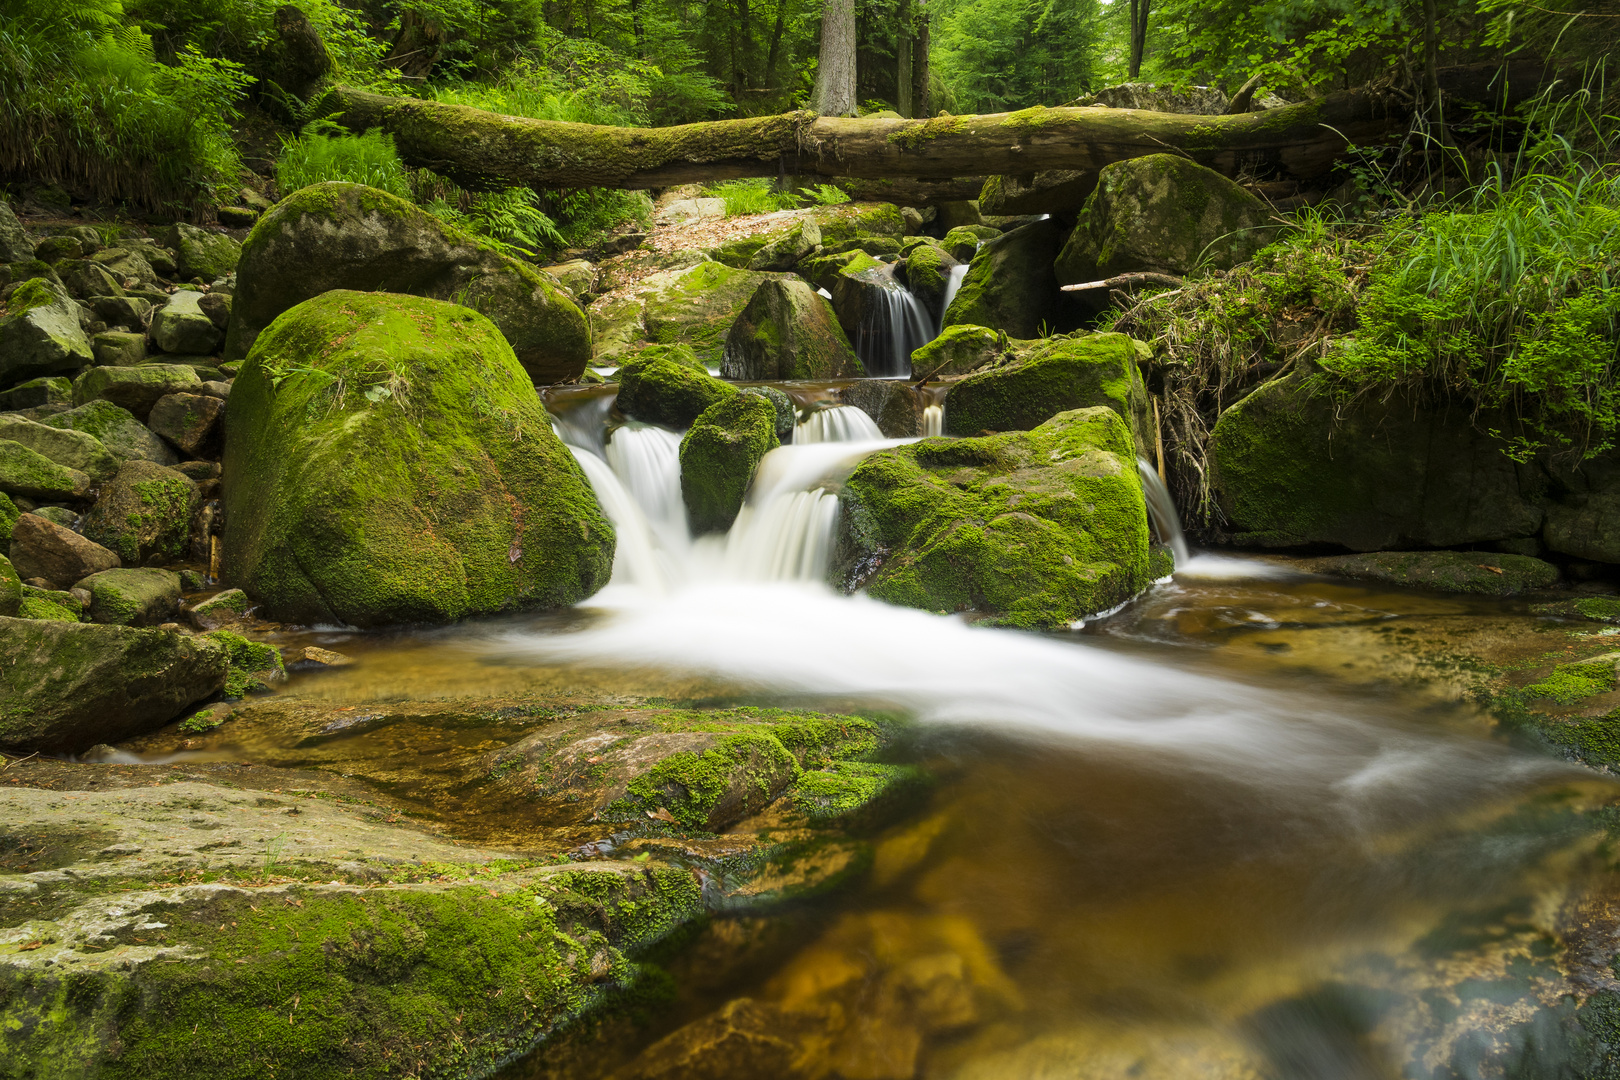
point(892, 326)
point(647, 461)
point(1161, 507)
point(953, 282)
point(841, 423)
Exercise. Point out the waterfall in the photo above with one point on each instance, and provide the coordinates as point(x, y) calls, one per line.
point(933, 420)
point(841, 423)
point(784, 532)
point(893, 324)
point(953, 282)
point(1161, 507)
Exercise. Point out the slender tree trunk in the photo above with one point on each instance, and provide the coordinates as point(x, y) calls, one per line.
point(1139, 24)
point(835, 77)
point(902, 57)
point(635, 25)
point(775, 53)
point(1433, 110)
point(921, 105)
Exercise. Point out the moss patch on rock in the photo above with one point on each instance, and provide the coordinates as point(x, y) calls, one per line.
point(388, 461)
point(663, 386)
point(254, 665)
point(1032, 529)
point(144, 514)
point(719, 455)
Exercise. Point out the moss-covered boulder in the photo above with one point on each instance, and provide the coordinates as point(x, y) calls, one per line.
point(667, 385)
point(1050, 191)
point(779, 245)
point(144, 514)
point(117, 348)
point(964, 241)
point(696, 307)
point(10, 588)
point(788, 331)
point(1482, 573)
point(960, 350)
point(40, 333)
point(1055, 376)
point(8, 518)
point(821, 269)
point(67, 686)
point(854, 220)
point(927, 273)
point(132, 596)
point(719, 455)
point(200, 253)
point(1031, 529)
point(71, 449)
point(15, 246)
point(787, 415)
point(117, 429)
point(50, 605)
point(1010, 285)
point(222, 609)
point(348, 236)
point(1303, 461)
point(36, 392)
point(388, 461)
point(135, 389)
point(32, 475)
point(1165, 214)
point(86, 280)
point(255, 666)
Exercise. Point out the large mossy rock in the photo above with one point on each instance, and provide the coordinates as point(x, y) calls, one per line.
point(1055, 376)
point(387, 460)
point(856, 220)
point(719, 455)
point(1165, 214)
point(1301, 461)
point(927, 275)
point(348, 236)
point(1032, 529)
point(668, 385)
point(71, 449)
point(696, 307)
point(32, 475)
point(132, 596)
point(788, 331)
point(144, 514)
point(135, 389)
point(67, 686)
point(40, 333)
point(1010, 285)
point(961, 350)
point(778, 245)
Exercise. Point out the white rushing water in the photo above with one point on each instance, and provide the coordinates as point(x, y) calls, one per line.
point(1167, 523)
point(841, 423)
point(893, 325)
point(953, 282)
point(752, 607)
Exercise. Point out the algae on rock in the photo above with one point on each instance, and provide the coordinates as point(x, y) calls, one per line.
point(387, 460)
point(1032, 529)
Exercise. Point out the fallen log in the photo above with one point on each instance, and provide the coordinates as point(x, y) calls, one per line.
point(481, 149)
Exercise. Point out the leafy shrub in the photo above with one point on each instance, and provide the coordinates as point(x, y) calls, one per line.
point(325, 151)
point(510, 219)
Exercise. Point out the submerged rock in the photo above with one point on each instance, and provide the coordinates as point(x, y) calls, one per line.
point(1485, 573)
point(1166, 214)
point(1033, 529)
point(719, 455)
point(1297, 462)
point(1010, 285)
point(67, 686)
point(788, 331)
point(387, 460)
point(348, 236)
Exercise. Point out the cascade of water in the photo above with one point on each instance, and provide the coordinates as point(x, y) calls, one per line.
point(841, 423)
point(647, 461)
point(1161, 508)
point(635, 558)
point(583, 423)
point(892, 326)
point(953, 282)
point(933, 420)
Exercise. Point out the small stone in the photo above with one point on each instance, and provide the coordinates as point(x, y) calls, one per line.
point(61, 557)
point(219, 389)
point(53, 249)
point(237, 217)
point(88, 237)
point(207, 718)
point(29, 473)
point(41, 333)
point(181, 326)
point(85, 279)
point(217, 306)
point(157, 256)
point(189, 421)
point(192, 581)
point(130, 269)
point(14, 243)
point(127, 311)
point(61, 515)
point(37, 392)
point(137, 388)
point(318, 657)
point(132, 596)
point(200, 253)
point(221, 609)
point(199, 470)
point(144, 514)
point(119, 348)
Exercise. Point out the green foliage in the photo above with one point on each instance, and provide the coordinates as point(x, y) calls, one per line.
point(999, 55)
point(324, 151)
point(756, 195)
point(510, 219)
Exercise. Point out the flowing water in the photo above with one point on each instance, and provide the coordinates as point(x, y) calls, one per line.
point(893, 324)
point(1244, 828)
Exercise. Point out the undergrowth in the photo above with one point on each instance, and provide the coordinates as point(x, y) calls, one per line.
point(760, 196)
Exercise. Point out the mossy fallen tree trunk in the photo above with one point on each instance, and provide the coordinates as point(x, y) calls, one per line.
point(482, 149)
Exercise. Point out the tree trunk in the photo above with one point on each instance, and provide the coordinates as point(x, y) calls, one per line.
point(902, 59)
point(922, 105)
point(835, 74)
point(1139, 23)
point(636, 28)
point(1432, 108)
point(776, 44)
point(483, 150)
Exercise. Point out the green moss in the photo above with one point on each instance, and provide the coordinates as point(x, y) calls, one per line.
point(387, 460)
point(8, 517)
point(662, 386)
point(144, 514)
point(1594, 740)
point(719, 455)
point(31, 474)
point(1601, 608)
point(917, 134)
point(1569, 683)
point(254, 665)
point(1053, 377)
point(1032, 529)
point(856, 793)
point(38, 607)
point(33, 293)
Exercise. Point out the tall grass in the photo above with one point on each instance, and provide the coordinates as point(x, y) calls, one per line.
point(325, 151)
point(758, 195)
